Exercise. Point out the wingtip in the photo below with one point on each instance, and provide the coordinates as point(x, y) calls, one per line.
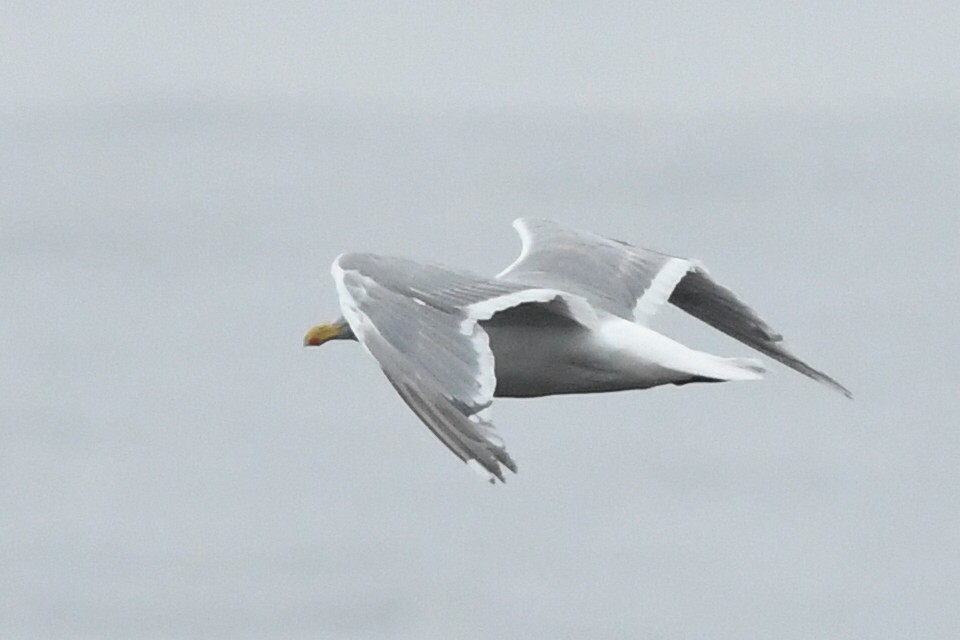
point(836, 386)
point(484, 472)
point(493, 471)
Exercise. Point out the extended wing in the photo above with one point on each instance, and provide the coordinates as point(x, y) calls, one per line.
point(422, 324)
point(633, 283)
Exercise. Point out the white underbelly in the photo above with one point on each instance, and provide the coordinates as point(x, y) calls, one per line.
point(531, 361)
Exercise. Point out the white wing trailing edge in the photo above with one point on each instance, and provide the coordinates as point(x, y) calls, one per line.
point(660, 289)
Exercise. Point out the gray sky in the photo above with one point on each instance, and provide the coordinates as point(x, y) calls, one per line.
point(175, 181)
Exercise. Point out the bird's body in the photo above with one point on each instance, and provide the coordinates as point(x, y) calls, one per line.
point(546, 357)
point(570, 315)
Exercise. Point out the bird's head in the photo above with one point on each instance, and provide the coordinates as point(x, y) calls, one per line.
point(336, 330)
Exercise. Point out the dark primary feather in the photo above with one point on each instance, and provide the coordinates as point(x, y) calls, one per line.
point(466, 438)
point(704, 299)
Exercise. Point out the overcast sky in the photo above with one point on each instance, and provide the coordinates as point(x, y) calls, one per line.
point(175, 181)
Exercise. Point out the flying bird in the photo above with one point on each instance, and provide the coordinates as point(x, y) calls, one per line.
point(570, 315)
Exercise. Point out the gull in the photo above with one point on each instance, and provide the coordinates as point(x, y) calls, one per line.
point(570, 315)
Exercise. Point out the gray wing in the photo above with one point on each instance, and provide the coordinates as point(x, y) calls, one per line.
point(421, 323)
point(626, 281)
point(633, 283)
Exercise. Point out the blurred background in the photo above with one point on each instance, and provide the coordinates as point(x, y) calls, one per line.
point(176, 178)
